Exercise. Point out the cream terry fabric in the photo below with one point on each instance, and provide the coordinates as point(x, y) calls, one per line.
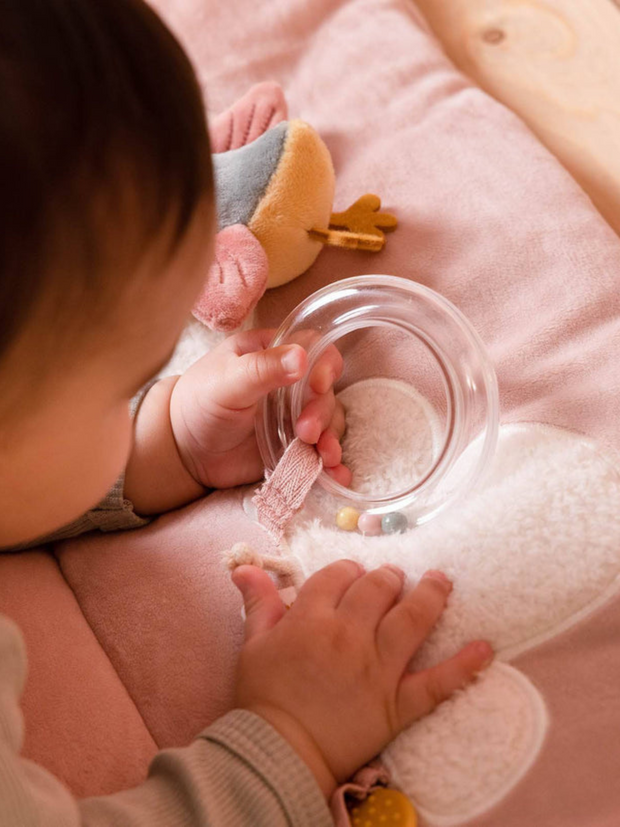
point(237, 772)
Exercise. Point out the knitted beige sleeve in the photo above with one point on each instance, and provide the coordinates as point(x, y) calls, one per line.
point(113, 513)
point(238, 773)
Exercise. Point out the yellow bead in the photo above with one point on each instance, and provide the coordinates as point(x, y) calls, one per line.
point(384, 802)
point(347, 518)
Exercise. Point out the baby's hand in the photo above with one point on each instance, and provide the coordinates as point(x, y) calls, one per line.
point(330, 674)
point(213, 405)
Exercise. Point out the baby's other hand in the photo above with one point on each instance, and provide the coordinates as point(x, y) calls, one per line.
point(213, 406)
point(330, 674)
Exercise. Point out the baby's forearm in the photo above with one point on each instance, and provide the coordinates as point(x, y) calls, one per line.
point(156, 479)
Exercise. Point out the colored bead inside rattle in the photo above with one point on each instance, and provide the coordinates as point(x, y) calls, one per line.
point(394, 523)
point(370, 524)
point(347, 518)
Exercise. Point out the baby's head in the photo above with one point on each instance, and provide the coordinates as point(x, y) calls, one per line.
point(106, 231)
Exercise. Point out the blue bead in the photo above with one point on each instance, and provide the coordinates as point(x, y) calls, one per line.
point(394, 523)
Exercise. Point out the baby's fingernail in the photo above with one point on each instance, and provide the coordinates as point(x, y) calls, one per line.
point(433, 574)
point(325, 380)
point(399, 572)
point(355, 563)
point(485, 651)
point(291, 360)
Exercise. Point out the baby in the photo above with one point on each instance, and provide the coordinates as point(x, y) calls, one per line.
point(107, 229)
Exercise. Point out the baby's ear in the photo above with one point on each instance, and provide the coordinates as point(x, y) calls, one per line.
point(236, 279)
point(260, 109)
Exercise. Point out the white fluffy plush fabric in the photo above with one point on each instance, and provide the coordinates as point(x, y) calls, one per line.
point(465, 757)
point(532, 551)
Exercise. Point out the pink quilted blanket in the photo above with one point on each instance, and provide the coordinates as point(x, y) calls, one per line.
point(132, 637)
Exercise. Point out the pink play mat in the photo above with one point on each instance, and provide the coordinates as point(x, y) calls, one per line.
point(132, 637)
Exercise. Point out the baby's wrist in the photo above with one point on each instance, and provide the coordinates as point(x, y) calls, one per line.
point(302, 743)
point(156, 479)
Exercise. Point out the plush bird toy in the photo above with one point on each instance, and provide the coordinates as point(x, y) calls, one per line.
point(274, 189)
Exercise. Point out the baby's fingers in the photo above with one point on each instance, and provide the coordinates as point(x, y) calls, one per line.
point(315, 417)
point(253, 375)
point(328, 445)
point(327, 370)
point(329, 449)
point(421, 692)
point(408, 624)
point(323, 414)
point(340, 474)
point(263, 606)
point(326, 587)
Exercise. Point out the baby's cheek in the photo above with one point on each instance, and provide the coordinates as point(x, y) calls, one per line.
point(114, 446)
point(96, 459)
point(99, 461)
point(62, 467)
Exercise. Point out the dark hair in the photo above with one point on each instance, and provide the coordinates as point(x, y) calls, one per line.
point(101, 119)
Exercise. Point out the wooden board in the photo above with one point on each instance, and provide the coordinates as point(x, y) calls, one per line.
point(556, 63)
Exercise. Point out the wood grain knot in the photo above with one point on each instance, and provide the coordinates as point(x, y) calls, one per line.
point(493, 36)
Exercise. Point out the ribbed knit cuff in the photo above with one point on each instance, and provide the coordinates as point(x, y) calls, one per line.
point(253, 740)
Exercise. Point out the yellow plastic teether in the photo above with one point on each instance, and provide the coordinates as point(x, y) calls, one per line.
point(384, 808)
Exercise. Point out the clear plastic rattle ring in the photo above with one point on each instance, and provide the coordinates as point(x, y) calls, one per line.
point(419, 391)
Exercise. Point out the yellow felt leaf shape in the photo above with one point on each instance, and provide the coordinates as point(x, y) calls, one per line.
point(352, 241)
point(360, 227)
point(363, 217)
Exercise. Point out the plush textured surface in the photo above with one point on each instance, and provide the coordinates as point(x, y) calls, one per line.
point(491, 220)
point(532, 553)
point(297, 199)
point(270, 193)
point(259, 109)
point(81, 721)
point(242, 175)
point(468, 755)
point(170, 619)
point(236, 279)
